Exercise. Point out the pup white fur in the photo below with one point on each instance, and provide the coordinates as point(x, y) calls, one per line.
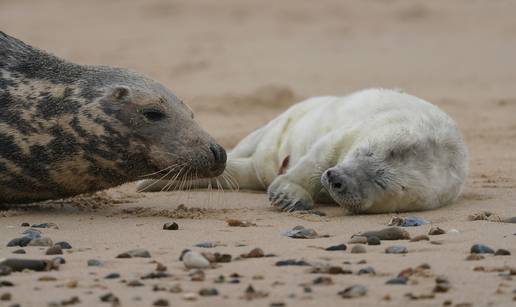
point(374, 151)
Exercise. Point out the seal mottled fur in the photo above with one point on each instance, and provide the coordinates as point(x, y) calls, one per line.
point(374, 151)
point(67, 129)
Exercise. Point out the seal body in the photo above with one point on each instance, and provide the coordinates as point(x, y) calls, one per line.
point(67, 129)
point(374, 151)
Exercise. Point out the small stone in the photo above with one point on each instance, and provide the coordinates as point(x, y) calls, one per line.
point(171, 226)
point(43, 241)
point(239, 223)
point(474, 257)
point(323, 280)
point(135, 283)
point(110, 298)
point(358, 240)
point(54, 250)
point(155, 275)
point(32, 233)
point(72, 284)
point(396, 249)
point(258, 277)
point(340, 247)
point(481, 249)
point(112, 276)
point(391, 233)
point(435, 231)
point(453, 231)
point(255, 253)
point(18, 265)
point(372, 240)
point(434, 242)
point(420, 238)
point(353, 291)
point(410, 221)
point(358, 249)
point(45, 225)
point(63, 245)
point(502, 252)
point(207, 244)
point(250, 293)
point(160, 267)
point(6, 283)
point(95, 262)
point(223, 258)
point(140, 252)
point(21, 242)
point(400, 280)
point(406, 273)
point(25, 224)
point(442, 287)
point(190, 296)
point(277, 304)
point(197, 275)
point(367, 270)
point(19, 251)
point(208, 292)
point(161, 303)
point(47, 278)
point(292, 262)
point(194, 260)
point(6, 296)
point(300, 232)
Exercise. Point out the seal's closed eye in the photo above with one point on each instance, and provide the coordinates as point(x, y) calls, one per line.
point(154, 114)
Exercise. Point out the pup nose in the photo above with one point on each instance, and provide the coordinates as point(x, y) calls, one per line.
point(336, 181)
point(219, 154)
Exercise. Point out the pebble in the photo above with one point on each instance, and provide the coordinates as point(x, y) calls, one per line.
point(155, 275)
point(25, 224)
point(110, 298)
point(358, 249)
point(64, 245)
point(46, 225)
point(330, 270)
point(224, 258)
point(161, 303)
point(6, 296)
point(502, 252)
point(420, 238)
point(353, 291)
point(292, 262)
point(171, 226)
point(409, 221)
point(340, 247)
point(391, 233)
point(21, 242)
point(300, 232)
point(5, 270)
point(112, 276)
point(189, 296)
point(358, 240)
point(373, 240)
point(32, 233)
point(43, 241)
point(18, 265)
point(435, 231)
point(250, 293)
point(19, 251)
point(367, 270)
point(194, 260)
point(453, 231)
point(400, 280)
point(442, 285)
point(54, 250)
point(135, 283)
point(208, 292)
point(72, 284)
point(95, 262)
point(255, 253)
point(140, 252)
point(277, 304)
point(239, 223)
point(396, 249)
point(47, 278)
point(323, 280)
point(207, 244)
point(160, 267)
point(481, 249)
point(474, 257)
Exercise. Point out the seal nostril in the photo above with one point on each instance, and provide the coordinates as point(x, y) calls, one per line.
point(329, 173)
point(337, 185)
point(218, 153)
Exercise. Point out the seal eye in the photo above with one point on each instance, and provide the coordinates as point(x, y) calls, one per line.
point(153, 115)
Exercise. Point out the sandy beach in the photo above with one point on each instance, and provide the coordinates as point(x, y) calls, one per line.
point(238, 64)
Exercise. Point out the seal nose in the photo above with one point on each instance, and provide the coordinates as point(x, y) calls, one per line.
point(336, 181)
point(219, 154)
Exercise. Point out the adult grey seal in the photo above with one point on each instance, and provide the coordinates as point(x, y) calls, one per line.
point(374, 151)
point(67, 129)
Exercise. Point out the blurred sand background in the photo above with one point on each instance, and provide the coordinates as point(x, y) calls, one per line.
point(240, 63)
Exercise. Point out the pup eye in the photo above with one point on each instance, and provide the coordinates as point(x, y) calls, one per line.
point(154, 115)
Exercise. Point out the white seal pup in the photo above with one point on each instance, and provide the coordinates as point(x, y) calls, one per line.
point(373, 151)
